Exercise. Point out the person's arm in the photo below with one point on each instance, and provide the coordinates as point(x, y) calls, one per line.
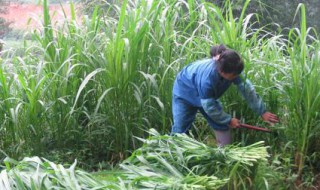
point(254, 101)
point(214, 110)
point(252, 98)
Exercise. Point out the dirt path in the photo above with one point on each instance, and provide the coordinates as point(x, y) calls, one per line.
point(21, 14)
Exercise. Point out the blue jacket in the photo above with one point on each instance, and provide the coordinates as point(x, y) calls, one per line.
point(200, 84)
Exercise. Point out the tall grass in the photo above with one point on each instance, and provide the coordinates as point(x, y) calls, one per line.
point(98, 84)
point(95, 86)
point(303, 90)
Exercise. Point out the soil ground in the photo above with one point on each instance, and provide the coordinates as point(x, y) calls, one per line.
point(30, 16)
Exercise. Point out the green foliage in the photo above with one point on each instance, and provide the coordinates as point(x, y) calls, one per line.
point(303, 89)
point(180, 162)
point(35, 173)
point(86, 88)
point(4, 24)
point(163, 162)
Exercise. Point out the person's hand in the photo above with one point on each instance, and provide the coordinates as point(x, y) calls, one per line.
point(234, 123)
point(270, 118)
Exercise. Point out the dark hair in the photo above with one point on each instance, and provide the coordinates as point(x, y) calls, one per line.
point(230, 62)
point(216, 50)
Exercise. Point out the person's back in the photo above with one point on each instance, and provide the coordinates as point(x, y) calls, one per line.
point(200, 80)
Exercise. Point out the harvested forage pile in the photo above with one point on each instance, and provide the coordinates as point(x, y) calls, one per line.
point(35, 173)
point(180, 162)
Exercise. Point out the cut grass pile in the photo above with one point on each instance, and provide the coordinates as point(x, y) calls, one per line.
point(163, 162)
point(181, 162)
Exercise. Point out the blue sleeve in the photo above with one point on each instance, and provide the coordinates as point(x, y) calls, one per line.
point(214, 110)
point(248, 92)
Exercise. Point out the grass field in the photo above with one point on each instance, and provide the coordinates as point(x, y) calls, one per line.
point(92, 91)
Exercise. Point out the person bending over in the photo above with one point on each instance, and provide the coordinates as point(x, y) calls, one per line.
point(199, 85)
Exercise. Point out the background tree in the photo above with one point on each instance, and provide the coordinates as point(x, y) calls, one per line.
point(274, 13)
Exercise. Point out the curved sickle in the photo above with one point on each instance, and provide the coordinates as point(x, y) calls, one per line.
point(255, 128)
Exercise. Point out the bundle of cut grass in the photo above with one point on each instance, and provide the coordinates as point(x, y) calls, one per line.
point(180, 162)
point(34, 173)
